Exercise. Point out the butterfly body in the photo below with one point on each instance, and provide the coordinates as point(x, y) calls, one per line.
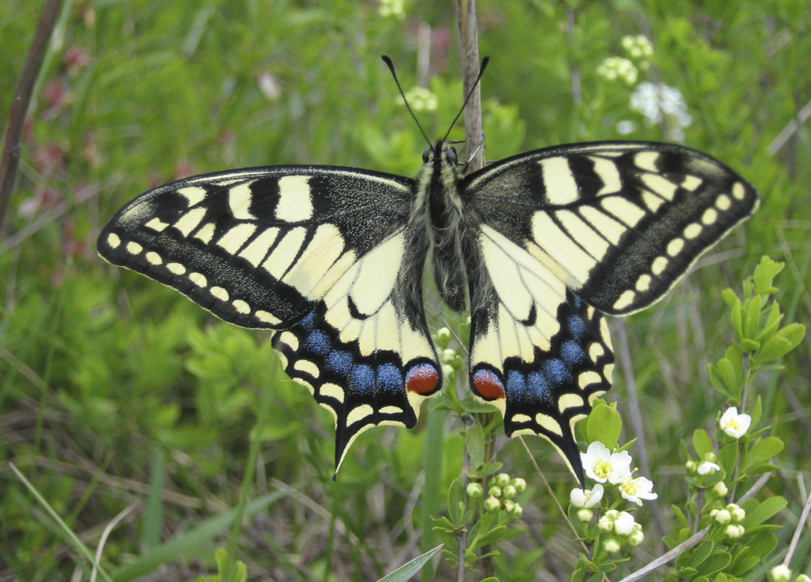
point(536, 248)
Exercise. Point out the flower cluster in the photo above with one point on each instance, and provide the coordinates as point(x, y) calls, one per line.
point(623, 528)
point(657, 101)
point(393, 8)
point(421, 99)
point(501, 495)
point(613, 68)
point(731, 516)
point(637, 47)
point(604, 466)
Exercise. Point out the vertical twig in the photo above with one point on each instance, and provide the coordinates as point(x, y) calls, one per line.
point(22, 99)
point(469, 52)
point(474, 137)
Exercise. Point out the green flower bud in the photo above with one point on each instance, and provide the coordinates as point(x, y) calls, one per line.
point(491, 504)
point(585, 515)
point(519, 484)
point(475, 490)
point(509, 492)
point(780, 573)
point(494, 491)
point(611, 546)
point(720, 489)
point(502, 480)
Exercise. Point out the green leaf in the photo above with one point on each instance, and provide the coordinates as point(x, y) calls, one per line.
point(762, 451)
point(736, 317)
point(781, 343)
point(456, 503)
point(751, 317)
point(407, 571)
point(765, 274)
point(702, 443)
point(763, 511)
point(716, 562)
point(730, 298)
point(604, 425)
point(682, 519)
point(474, 443)
point(763, 544)
point(728, 457)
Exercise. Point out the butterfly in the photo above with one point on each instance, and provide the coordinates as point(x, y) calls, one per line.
point(537, 248)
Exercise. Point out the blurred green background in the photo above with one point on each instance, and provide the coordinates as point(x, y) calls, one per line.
point(116, 392)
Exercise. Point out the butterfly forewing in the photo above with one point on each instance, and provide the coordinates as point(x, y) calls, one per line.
point(619, 222)
point(257, 247)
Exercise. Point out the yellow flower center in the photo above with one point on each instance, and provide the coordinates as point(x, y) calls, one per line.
point(602, 469)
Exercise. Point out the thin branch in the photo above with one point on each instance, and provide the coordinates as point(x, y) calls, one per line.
point(797, 531)
point(790, 129)
point(469, 51)
point(22, 99)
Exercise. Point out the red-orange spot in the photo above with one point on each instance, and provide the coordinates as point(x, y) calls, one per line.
point(422, 379)
point(488, 385)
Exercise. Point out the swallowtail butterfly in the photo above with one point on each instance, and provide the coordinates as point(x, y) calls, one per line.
point(537, 248)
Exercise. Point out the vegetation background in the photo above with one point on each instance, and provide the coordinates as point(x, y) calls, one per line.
point(118, 394)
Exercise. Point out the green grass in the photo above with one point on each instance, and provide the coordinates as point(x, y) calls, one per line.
point(117, 393)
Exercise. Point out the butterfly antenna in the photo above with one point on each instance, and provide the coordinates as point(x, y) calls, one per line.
point(485, 60)
point(390, 64)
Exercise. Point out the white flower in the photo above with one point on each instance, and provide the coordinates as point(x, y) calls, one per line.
point(625, 127)
point(734, 424)
point(707, 468)
point(635, 490)
point(655, 101)
point(586, 498)
point(624, 524)
point(602, 465)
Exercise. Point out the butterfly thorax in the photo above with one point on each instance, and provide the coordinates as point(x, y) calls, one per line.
point(439, 208)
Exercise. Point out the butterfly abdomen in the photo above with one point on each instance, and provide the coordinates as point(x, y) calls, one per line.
point(441, 211)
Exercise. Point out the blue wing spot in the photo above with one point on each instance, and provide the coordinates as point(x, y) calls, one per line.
point(538, 386)
point(318, 343)
point(516, 385)
point(363, 378)
point(308, 322)
point(556, 372)
point(340, 362)
point(577, 327)
point(572, 352)
point(390, 378)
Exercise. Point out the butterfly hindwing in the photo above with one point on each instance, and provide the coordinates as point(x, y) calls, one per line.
point(538, 353)
point(365, 352)
point(619, 222)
